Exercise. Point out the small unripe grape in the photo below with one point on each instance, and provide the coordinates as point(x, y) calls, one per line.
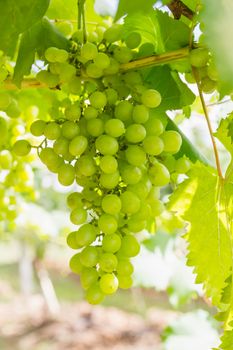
point(98, 99)
point(146, 49)
point(124, 267)
point(94, 294)
point(159, 175)
point(110, 181)
point(108, 262)
point(53, 54)
point(5, 100)
point(71, 240)
point(70, 129)
point(78, 145)
point(208, 86)
point(95, 127)
point(107, 224)
point(65, 27)
point(61, 146)
point(107, 145)
point(151, 98)
point(67, 72)
point(112, 96)
point(129, 246)
point(88, 277)
point(182, 165)
point(135, 155)
point(74, 200)
point(37, 127)
point(140, 114)
point(153, 145)
point(130, 203)
point(86, 234)
point(111, 204)
point(113, 68)
point(93, 71)
point(111, 243)
point(75, 264)
point(5, 159)
point(125, 282)
point(66, 174)
point(89, 256)
point(86, 165)
point(108, 283)
point(102, 60)
point(122, 54)
point(73, 112)
point(199, 57)
point(21, 148)
point(154, 126)
point(131, 174)
point(89, 51)
point(52, 131)
point(113, 33)
point(172, 141)
point(108, 164)
point(78, 216)
point(90, 113)
point(133, 40)
point(135, 133)
point(123, 110)
point(114, 127)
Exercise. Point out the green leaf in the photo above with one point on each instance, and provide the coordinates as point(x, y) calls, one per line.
point(192, 4)
point(187, 147)
point(159, 29)
point(175, 94)
point(129, 7)
point(16, 17)
point(217, 18)
point(205, 203)
point(36, 39)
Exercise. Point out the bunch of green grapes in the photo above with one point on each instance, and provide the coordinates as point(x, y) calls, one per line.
point(109, 139)
point(201, 60)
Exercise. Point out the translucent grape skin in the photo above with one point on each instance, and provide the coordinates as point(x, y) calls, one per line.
point(21, 148)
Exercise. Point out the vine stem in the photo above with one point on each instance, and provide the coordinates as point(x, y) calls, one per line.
point(150, 61)
point(206, 114)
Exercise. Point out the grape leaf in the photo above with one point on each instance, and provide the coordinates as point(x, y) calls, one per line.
point(36, 39)
point(158, 28)
point(129, 7)
point(217, 17)
point(16, 17)
point(192, 4)
point(206, 203)
point(175, 94)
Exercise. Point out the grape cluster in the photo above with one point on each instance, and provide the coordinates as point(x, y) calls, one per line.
point(108, 138)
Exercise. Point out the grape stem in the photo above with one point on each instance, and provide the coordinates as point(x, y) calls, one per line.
point(206, 114)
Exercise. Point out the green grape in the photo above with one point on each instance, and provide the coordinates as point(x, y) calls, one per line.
point(123, 110)
point(71, 240)
point(61, 146)
point(75, 264)
point(107, 224)
point(89, 256)
point(3, 131)
point(21, 148)
point(169, 162)
point(157, 207)
point(208, 86)
point(78, 216)
point(190, 78)
point(153, 145)
point(111, 204)
point(66, 27)
point(182, 165)
point(52, 131)
point(154, 127)
point(67, 72)
point(131, 174)
point(212, 71)
point(135, 133)
point(6, 159)
point(3, 73)
point(108, 164)
point(172, 141)
point(53, 54)
point(86, 165)
point(111, 243)
point(86, 234)
point(113, 33)
point(159, 175)
point(70, 129)
point(108, 262)
point(88, 277)
point(37, 127)
point(135, 155)
point(55, 68)
point(74, 200)
point(141, 189)
point(73, 112)
point(129, 246)
point(108, 283)
point(102, 60)
point(74, 85)
point(146, 49)
point(66, 174)
point(94, 294)
point(130, 202)
point(199, 57)
point(13, 110)
point(89, 51)
point(135, 224)
point(78, 36)
point(125, 282)
point(5, 100)
point(113, 68)
point(51, 80)
point(151, 98)
point(48, 156)
point(112, 96)
point(140, 114)
point(114, 127)
point(106, 145)
point(124, 267)
point(90, 112)
point(98, 99)
point(93, 71)
point(109, 181)
point(78, 145)
point(95, 127)
point(122, 54)
point(133, 40)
